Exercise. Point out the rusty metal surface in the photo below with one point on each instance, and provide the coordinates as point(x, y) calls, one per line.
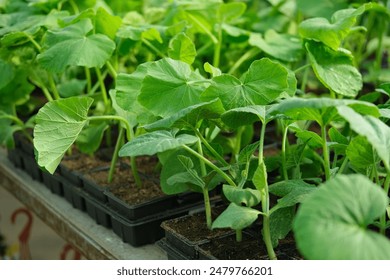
point(76, 227)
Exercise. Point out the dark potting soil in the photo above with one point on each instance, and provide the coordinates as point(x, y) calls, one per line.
point(123, 186)
point(194, 227)
point(251, 248)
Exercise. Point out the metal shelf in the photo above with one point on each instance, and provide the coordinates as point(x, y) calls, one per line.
point(76, 227)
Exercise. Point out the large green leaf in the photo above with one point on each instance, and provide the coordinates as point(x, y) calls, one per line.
point(264, 82)
point(127, 89)
point(169, 86)
point(321, 110)
point(376, 132)
point(236, 217)
point(331, 33)
point(323, 8)
point(335, 69)
point(190, 116)
point(58, 124)
point(182, 48)
point(155, 142)
point(74, 46)
point(332, 223)
point(246, 115)
point(281, 46)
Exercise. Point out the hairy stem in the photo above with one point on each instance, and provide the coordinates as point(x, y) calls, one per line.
point(284, 160)
point(88, 78)
point(211, 149)
point(114, 159)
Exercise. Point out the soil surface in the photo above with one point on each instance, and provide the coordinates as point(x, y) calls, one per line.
point(96, 168)
point(251, 247)
point(194, 228)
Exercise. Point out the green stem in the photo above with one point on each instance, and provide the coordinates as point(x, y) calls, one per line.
point(301, 68)
point(305, 79)
point(267, 235)
point(111, 69)
point(205, 191)
point(265, 202)
point(204, 28)
point(153, 48)
point(102, 87)
point(53, 86)
point(239, 235)
point(210, 164)
point(135, 173)
point(284, 157)
point(211, 149)
point(110, 118)
point(114, 159)
point(343, 165)
point(207, 207)
point(325, 153)
point(20, 123)
point(261, 143)
point(74, 7)
point(44, 89)
point(88, 78)
point(35, 43)
point(249, 54)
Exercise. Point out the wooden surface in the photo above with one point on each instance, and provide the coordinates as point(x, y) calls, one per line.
point(76, 227)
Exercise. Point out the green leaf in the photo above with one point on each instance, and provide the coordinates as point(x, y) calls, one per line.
point(336, 136)
point(360, 153)
point(376, 132)
point(90, 138)
point(155, 142)
point(58, 124)
point(264, 82)
point(281, 46)
point(335, 69)
point(73, 87)
point(212, 70)
point(312, 139)
point(239, 196)
point(331, 33)
point(127, 89)
point(190, 116)
point(332, 223)
point(246, 116)
point(246, 153)
point(74, 46)
point(169, 80)
point(281, 223)
point(260, 177)
point(7, 73)
point(322, 110)
point(107, 24)
point(171, 166)
point(230, 11)
point(236, 217)
point(182, 48)
point(292, 193)
point(137, 33)
point(18, 90)
point(190, 176)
